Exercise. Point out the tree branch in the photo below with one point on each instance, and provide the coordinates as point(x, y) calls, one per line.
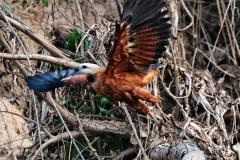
point(92, 128)
point(44, 58)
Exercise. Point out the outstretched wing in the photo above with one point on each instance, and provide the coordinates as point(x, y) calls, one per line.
point(142, 37)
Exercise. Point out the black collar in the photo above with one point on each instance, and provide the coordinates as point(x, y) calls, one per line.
point(90, 78)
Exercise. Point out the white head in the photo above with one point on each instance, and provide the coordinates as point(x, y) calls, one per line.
point(88, 68)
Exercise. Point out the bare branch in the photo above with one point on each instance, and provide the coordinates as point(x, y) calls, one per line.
point(44, 58)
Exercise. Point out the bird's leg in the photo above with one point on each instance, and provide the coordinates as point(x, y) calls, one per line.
point(145, 95)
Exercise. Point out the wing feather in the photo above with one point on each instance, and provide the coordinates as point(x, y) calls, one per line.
point(142, 37)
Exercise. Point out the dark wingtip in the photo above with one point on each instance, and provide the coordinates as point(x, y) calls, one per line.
point(49, 80)
point(119, 9)
point(43, 82)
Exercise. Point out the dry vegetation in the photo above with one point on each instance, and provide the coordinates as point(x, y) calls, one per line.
point(197, 86)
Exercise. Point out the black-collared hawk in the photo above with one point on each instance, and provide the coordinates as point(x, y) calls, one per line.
point(141, 39)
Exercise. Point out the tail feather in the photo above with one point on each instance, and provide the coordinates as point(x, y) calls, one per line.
point(50, 80)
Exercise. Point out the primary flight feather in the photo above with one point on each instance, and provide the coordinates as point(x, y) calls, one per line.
point(141, 39)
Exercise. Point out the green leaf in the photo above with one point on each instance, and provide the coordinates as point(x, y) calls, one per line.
point(86, 109)
point(73, 38)
point(45, 152)
point(63, 101)
point(103, 102)
point(27, 68)
point(102, 110)
point(86, 44)
point(45, 2)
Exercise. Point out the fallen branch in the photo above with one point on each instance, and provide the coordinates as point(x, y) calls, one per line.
point(92, 128)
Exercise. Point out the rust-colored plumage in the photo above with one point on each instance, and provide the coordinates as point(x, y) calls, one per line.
point(140, 41)
point(126, 87)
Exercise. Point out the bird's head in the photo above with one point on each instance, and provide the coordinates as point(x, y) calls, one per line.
point(89, 70)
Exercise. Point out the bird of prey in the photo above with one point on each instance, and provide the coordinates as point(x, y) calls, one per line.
point(141, 38)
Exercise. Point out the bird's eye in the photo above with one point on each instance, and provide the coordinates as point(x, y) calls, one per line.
point(84, 66)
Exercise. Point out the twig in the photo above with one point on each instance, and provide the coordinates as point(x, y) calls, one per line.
point(219, 49)
point(101, 117)
point(134, 131)
point(25, 118)
point(113, 127)
point(94, 59)
point(231, 30)
point(98, 15)
point(82, 21)
point(94, 151)
point(62, 136)
point(93, 111)
point(216, 64)
point(83, 38)
point(174, 97)
point(74, 143)
point(125, 153)
point(19, 40)
point(38, 127)
point(220, 30)
point(190, 15)
point(83, 35)
point(80, 14)
point(9, 50)
point(176, 76)
point(68, 52)
point(48, 133)
point(93, 128)
point(174, 17)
